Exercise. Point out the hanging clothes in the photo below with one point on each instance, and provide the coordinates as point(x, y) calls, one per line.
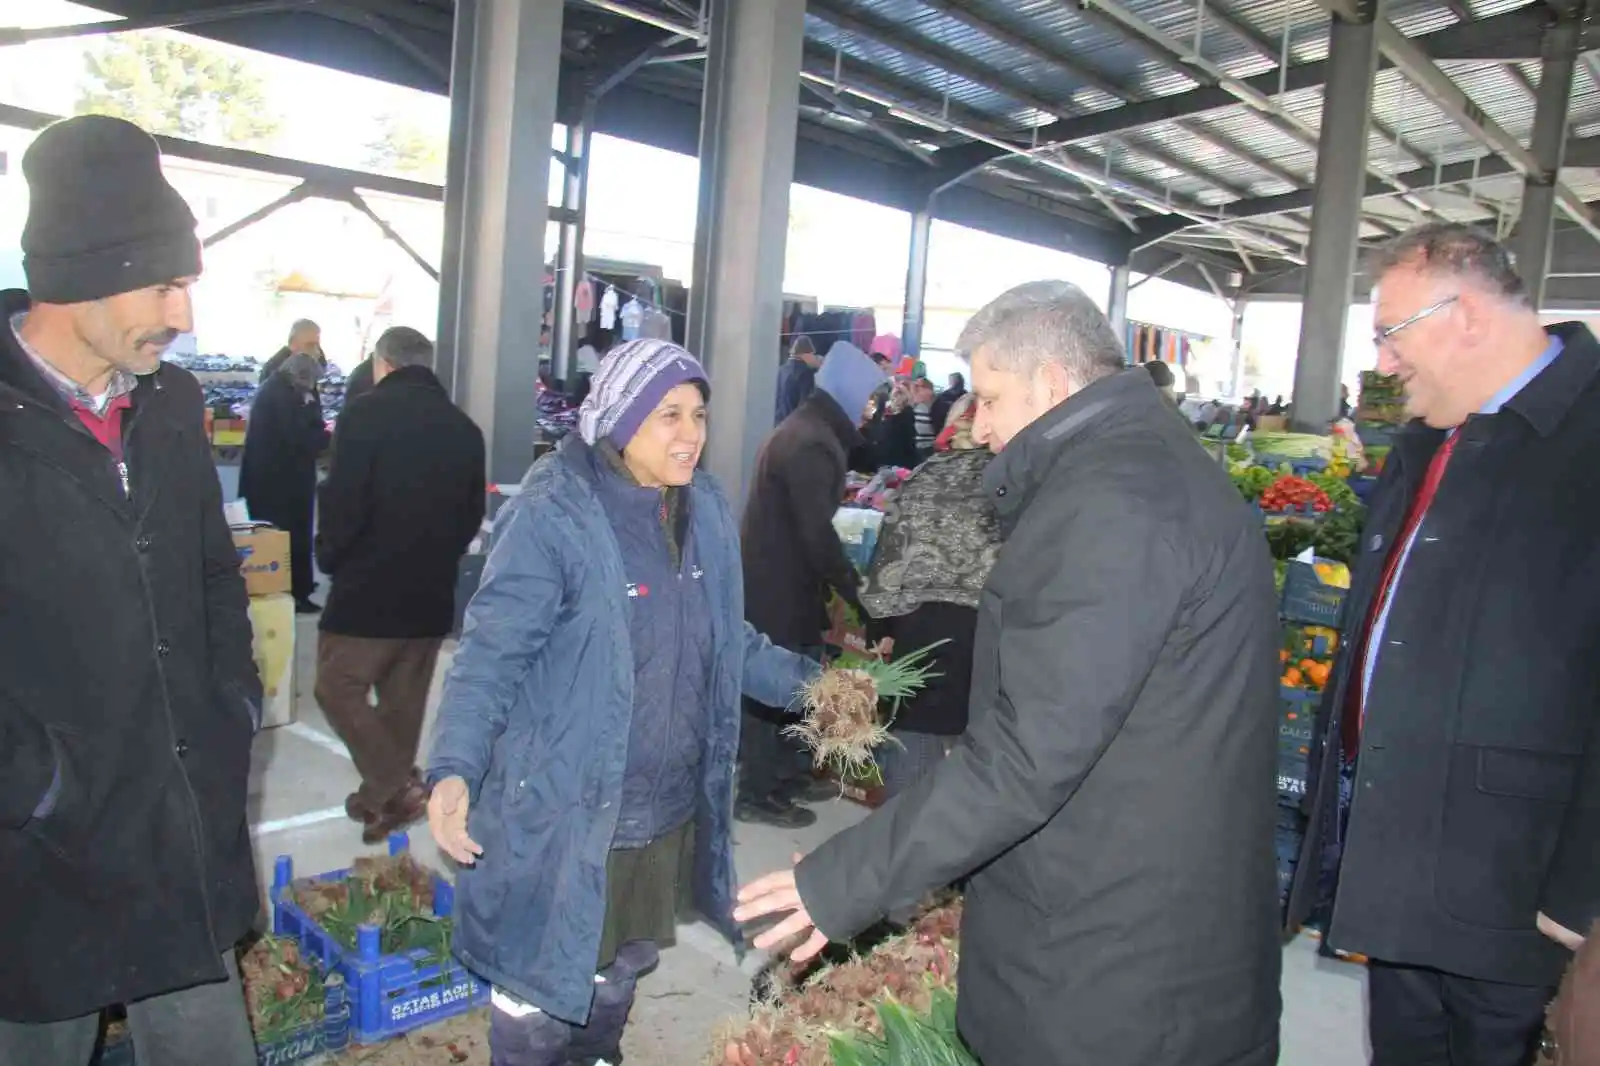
point(632, 317)
point(608, 309)
point(583, 300)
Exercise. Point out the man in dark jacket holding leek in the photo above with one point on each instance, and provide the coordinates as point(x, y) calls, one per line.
point(792, 558)
point(1111, 801)
point(1455, 793)
point(128, 693)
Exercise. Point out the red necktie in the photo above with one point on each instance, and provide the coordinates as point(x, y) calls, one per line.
point(1354, 712)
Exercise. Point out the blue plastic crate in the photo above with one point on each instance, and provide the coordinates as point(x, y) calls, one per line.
point(1307, 600)
point(1292, 763)
point(1286, 840)
point(1297, 714)
point(331, 1033)
point(388, 994)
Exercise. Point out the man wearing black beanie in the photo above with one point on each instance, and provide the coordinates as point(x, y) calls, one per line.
point(128, 692)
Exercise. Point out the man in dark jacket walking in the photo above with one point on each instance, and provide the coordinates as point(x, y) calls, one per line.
point(404, 497)
point(797, 378)
point(1455, 793)
point(1111, 799)
point(128, 694)
point(278, 475)
point(792, 557)
point(305, 338)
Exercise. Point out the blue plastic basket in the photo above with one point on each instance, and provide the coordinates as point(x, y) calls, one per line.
point(1286, 839)
point(331, 1033)
point(388, 994)
point(1307, 600)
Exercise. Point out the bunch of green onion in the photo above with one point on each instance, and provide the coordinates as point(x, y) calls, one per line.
point(841, 723)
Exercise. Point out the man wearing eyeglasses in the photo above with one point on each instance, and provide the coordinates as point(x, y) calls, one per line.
point(1455, 804)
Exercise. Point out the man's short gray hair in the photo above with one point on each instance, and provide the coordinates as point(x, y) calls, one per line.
point(302, 369)
point(1454, 250)
point(402, 346)
point(1044, 322)
point(302, 327)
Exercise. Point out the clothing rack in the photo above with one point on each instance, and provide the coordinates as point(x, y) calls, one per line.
point(1146, 343)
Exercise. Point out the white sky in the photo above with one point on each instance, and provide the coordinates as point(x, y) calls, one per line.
point(642, 199)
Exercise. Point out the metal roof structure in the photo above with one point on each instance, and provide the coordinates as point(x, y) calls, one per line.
point(1180, 133)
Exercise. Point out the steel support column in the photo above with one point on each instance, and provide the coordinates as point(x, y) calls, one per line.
point(569, 268)
point(749, 118)
point(1117, 301)
point(916, 279)
point(506, 63)
point(1335, 216)
point(1236, 361)
point(1534, 227)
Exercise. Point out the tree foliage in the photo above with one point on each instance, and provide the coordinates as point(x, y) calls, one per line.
point(177, 87)
point(400, 146)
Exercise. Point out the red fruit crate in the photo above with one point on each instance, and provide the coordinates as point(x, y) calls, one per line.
point(388, 994)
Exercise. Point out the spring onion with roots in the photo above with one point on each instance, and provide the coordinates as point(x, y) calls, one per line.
point(840, 723)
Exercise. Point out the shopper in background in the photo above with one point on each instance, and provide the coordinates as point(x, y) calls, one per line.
point(797, 377)
point(954, 390)
point(128, 693)
point(1462, 710)
point(305, 338)
point(1111, 797)
point(584, 755)
point(278, 474)
point(923, 431)
point(792, 558)
point(404, 498)
point(935, 549)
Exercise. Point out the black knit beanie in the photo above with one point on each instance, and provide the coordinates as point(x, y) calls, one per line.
point(102, 219)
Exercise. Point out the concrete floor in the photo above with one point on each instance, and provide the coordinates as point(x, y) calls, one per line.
point(301, 774)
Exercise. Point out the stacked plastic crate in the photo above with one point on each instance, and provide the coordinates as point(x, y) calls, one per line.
point(1311, 610)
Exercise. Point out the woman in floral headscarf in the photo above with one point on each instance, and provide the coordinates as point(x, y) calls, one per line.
point(935, 549)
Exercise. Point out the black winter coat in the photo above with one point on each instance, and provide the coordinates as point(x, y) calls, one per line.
point(278, 474)
point(791, 554)
point(1112, 798)
point(1477, 789)
point(404, 497)
point(125, 661)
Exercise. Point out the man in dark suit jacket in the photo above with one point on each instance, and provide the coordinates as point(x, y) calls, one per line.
point(403, 500)
point(1455, 792)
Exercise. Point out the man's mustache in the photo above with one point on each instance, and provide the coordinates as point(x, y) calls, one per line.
point(160, 340)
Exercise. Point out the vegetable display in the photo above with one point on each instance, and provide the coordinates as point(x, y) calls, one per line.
point(394, 893)
point(1291, 493)
point(283, 992)
point(836, 1012)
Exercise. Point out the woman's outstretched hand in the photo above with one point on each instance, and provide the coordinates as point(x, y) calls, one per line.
point(447, 818)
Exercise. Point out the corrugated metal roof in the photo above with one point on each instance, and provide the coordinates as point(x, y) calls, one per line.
point(1193, 160)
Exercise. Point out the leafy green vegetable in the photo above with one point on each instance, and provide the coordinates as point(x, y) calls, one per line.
point(909, 1038)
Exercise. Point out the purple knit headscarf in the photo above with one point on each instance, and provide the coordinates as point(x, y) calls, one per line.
point(631, 381)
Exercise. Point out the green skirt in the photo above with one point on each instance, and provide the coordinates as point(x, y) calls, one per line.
point(647, 890)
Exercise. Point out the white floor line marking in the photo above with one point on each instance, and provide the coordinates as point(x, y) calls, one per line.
point(299, 821)
point(318, 737)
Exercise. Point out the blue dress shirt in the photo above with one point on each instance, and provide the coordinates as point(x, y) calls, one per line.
point(1497, 401)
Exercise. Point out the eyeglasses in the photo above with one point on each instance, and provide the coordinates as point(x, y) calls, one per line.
point(1383, 334)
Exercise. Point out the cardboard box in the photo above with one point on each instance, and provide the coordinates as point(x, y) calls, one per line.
point(272, 620)
point(263, 559)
